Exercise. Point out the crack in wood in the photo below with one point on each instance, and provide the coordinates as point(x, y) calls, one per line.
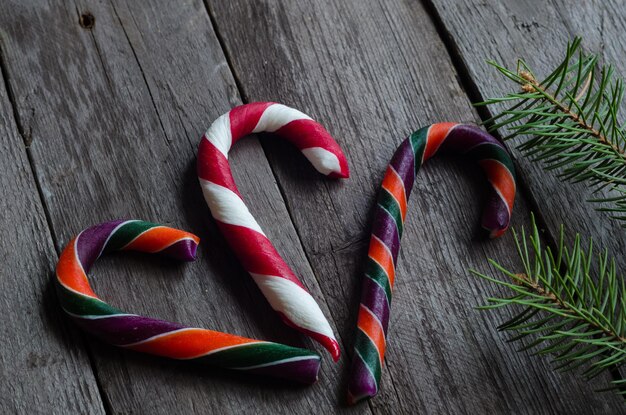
point(245, 99)
point(473, 92)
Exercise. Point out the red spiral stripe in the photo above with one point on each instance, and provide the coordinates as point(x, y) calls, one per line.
point(282, 288)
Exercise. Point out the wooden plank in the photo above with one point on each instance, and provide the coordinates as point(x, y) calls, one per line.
point(44, 367)
point(372, 72)
point(539, 35)
point(115, 113)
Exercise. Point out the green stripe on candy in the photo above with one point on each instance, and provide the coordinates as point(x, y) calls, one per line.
point(256, 354)
point(126, 233)
point(81, 305)
point(376, 273)
point(369, 353)
point(418, 144)
point(492, 151)
point(389, 203)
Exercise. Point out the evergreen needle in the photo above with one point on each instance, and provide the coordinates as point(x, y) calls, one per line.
point(573, 304)
point(569, 121)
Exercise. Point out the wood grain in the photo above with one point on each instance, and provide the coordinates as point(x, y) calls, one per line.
point(115, 113)
point(539, 35)
point(372, 72)
point(43, 365)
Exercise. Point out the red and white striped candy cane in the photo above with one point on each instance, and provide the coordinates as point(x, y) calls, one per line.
point(284, 291)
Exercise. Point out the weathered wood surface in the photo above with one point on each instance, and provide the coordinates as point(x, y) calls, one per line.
point(114, 129)
point(374, 71)
point(114, 114)
point(44, 368)
point(539, 35)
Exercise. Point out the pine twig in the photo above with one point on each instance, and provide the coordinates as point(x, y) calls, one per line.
point(574, 305)
point(569, 121)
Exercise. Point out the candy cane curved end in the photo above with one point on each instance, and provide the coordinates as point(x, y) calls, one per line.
point(283, 290)
point(159, 337)
point(389, 216)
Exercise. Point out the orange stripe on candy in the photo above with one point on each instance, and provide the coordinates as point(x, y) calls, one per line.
point(380, 253)
point(394, 185)
point(189, 343)
point(70, 272)
point(157, 239)
point(437, 133)
point(500, 178)
point(370, 325)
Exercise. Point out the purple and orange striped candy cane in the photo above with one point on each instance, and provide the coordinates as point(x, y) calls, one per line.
point(159, 337)
point(282, 288)
point(373, 317)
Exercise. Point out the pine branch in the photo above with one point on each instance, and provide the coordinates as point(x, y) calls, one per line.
point(574, 305)
point(569, 121)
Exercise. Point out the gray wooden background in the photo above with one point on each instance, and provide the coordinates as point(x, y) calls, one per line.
point(102, 120)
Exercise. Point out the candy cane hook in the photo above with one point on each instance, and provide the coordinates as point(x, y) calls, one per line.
point(284, 291)
point(373, 317)
point(159, 337)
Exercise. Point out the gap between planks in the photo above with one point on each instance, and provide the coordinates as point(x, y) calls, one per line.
point(4, 73)
point(473, 92)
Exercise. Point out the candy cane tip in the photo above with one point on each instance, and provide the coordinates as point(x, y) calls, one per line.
point(339, 175)
point(190, 248)
point(495, 222)
point(344, 172)
point(183, 249)
point(497, 228)
point(329, 344)
point(496, 233)
point(335, 352)
point(353, 400)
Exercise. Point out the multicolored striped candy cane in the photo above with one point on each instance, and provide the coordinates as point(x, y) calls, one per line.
point(284, 291)
point(158, 337)
point(472, 142)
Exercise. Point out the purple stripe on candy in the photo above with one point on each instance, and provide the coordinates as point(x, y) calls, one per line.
point(464, 137)
point(304, 371)
point(385, 229)
point(122, 330)
point(496, 213)
point(184, 250)
point(403, 162)
point(375, 299)
point(361, 380)
point(92, 240)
